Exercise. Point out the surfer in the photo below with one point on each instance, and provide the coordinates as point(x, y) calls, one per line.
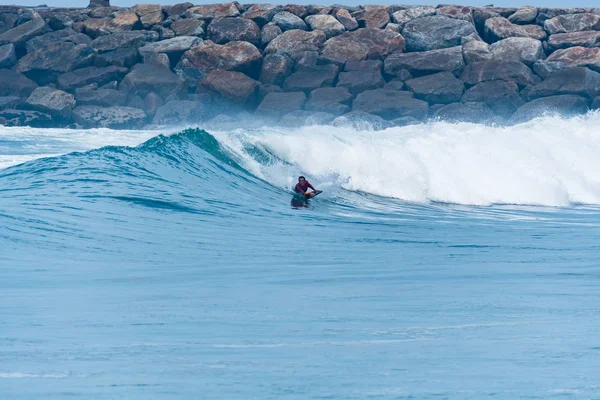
point(302, 188)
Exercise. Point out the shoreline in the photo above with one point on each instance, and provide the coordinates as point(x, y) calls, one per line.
point(146, 66)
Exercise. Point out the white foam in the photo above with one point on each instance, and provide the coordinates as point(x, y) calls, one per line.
point(547, 161)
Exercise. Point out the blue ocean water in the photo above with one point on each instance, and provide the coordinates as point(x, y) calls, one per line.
point(441, 262)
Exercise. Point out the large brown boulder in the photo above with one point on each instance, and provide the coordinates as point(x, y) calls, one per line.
point(435, 32)
point(511, 71)
point(189, 27)
point(565, 105)
point(362, 44)
point(500, 96)
point(309, 78)
point(458, 12)
point(390, 104)
point(347, 20)
point(525, 50)
point(572, 23)
point(51, 101)
point(233, 56)
point(475, 50)
point(442, 87)
point(450, 59)
point(578, 57)
point(275, 68)
point(15, 84)
point(231, 85)
point(268, 33)
point(44, 65)
point(578, 81)
point(372, 16)
point(223, 30)
point(210, 11)
point(146, 78)
point(261, 13)
point(149, 14)
point(573, 39)
point(277, 104)
point(524, 15)
point(499, 28)
point(296, 41)
point(85, 76)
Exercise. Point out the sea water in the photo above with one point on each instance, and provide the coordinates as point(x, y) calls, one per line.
point(442, 261)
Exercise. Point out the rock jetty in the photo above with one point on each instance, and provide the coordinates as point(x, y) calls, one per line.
point(186, 64)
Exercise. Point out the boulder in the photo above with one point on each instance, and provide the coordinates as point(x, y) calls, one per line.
point(84, 76)
point(511, 71)
point(475, 50)
point(34, 119)
point(359, 81)
point(261, 13)
point(188, 27)
point(535, 32)
point(223, 30)
point(7, 21)
point(95, 27)
point(396, 84)
point(172, 47)
point(465, 112)
point(149, 14)
point(231, 85)
point(301, 118)
point(544, 67)
point(44, 65)
point(362, 44)
point(288, 21)
point(10, 102)
point(500, 96)
point(572, 23)
point(163, 33)
point(177, 9)
point(325, 23)
point(210, 11)
point(158, 59)
point(189, 72)
point(372, 17)
point(99, 3)
point(268, 33)
point(123, 20)
point(442, 87)
point(115, 117)
point(181, 112)
point(578, 57)
point(146, 78)
point(152, 102)
point(435, 32)
point(265, 89)
point(330, 100)
point(295, 41)
point(549, 13)
point(24, 32)
point(389, 104)
point(524, 15)
point(125, 57)
point(64, 35)
point(275, 68)
point(499, 28)
point(100, 97)
point(457, 12)
point(299, 11)
point(15, 84)
point(420, 63)
point(361, 121)
point(565, 105)
point(525, 50)
point(481, 15)
point(346, 19)
point(310, 78)
point(364, 66)
point(120, 40)
point(233, 56)
point(51, 101)
point(573, 39)
point(579, 81)
point(8, 57)
point(277, 104)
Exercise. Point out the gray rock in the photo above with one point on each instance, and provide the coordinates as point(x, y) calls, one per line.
point(211, 11)
point(295, 41)
point(188, 72)
point(275, 105)
point(389, 104)
point(359, 81)
point(10, 102)
point(188, 27)
point(299, 11)
point(261, 13)
point(15, 84)
point(565, 105)
point(364, 66)
point(549, 13)
point(7, 21)
point(331, 100)
point(572, 39)
point(64, 35)
point(8, 57)
point(544, 67)
point(396, 85)
point(500, 28)
point(100, 97)
point(275, 68)
point(405, 121)
point(34, 119)
point(442, 87)
point(115, 117)
point(268, 33)
point(372, 16)
point(481, 15)
point(149, 14)
point(525, 50)
point(491, 70)
point(163, 33)
point(572, 23)
point(578, 81)
point(500, 96)
point(347, 20)
point(172, 47)
point(474, 50)
point(450, 59)
point(435, 32)
point(158, 59)
point(457, 12)
point(51, 101)
point(145, 78)
point(177, 9)
point(361, 121)
point(578, 57)
point(310, 78)
point(181, 112)
point(325, 23)
point(535, 32)
point(152, 102)
point(125, 57)
point(223, 30)
point(301, 118)
point(99, 3)
point(44, 65)
point(233, 56)
point(231, 85)
point(362, 44)
point(119, 40)
point(288, 21)
point(401, 17)
point(524, 15)
point(84, 76)
point(265, 89)
point(465, 112)
point(24, 32)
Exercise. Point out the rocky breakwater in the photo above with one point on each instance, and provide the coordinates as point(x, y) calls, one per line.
point(106, 66)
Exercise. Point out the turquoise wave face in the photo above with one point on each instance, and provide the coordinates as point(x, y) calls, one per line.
point(179, 269)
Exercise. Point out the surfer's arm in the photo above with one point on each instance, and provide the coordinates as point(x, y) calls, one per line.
point(311, 186)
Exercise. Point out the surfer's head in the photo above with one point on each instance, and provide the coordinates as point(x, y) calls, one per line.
point(301, 179)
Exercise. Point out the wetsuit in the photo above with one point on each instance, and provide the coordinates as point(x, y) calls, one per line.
point(302, 188)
